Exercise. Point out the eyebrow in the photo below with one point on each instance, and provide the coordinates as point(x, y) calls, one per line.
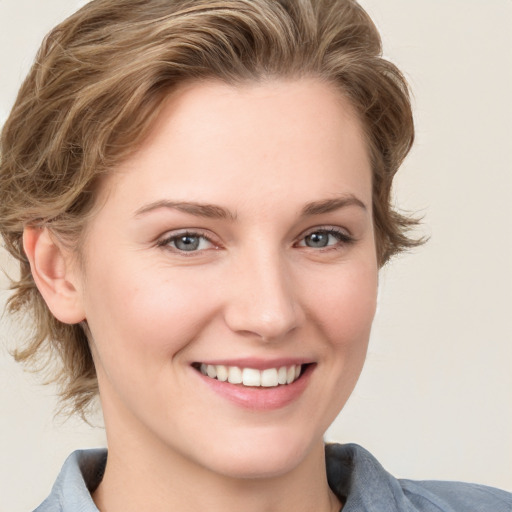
point(213, 211)
point(210, 211)
point(330, 205)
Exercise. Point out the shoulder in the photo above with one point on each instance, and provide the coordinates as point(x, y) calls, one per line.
point(364, 485)
point(456, 496)
point(79, 476)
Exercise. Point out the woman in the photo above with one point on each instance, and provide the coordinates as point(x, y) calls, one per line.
point(200, 205)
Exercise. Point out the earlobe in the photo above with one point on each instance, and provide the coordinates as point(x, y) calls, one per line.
point(53, 274)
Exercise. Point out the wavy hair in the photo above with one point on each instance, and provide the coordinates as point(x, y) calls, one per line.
point(97, 84)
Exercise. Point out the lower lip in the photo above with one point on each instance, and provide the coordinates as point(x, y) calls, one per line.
point(260, 398)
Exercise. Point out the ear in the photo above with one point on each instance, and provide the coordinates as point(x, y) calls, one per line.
point(54, 274)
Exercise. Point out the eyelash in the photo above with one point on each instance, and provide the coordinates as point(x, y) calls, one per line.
point(168, 240)
point(342, 237)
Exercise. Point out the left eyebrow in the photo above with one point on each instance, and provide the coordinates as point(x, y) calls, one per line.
point(330, 205)
point(198, 209)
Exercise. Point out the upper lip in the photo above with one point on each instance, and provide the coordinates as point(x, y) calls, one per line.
point(257, 363)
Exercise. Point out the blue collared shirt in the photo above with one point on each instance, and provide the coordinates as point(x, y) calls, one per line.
point(357, 478)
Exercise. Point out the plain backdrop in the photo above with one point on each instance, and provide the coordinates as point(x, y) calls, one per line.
point(435, 398)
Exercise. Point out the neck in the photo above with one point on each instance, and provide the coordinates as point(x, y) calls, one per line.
point(159, 479)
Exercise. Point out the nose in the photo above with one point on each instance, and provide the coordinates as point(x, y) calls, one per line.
point(262, 300)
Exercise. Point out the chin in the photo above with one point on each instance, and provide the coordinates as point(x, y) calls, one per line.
point(262, 456)
point(259, 466)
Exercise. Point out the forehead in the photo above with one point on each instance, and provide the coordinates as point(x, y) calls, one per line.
point(287, 136)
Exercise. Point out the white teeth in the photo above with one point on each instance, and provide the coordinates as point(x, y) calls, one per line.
point(251, 377)
point(211, 371)
point(222, 372)
point(269, 378)
point(281, 375)
point(234, 375)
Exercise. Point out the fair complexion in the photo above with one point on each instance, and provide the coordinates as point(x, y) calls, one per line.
point(238, 236)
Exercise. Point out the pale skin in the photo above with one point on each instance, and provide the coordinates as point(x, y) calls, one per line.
point(241, 229)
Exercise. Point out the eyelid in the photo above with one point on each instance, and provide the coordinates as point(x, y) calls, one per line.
point(165, 240)
point(328, 228)
point(345, 237)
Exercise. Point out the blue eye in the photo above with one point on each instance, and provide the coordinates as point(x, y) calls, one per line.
point(186, 242)
point(322, 238)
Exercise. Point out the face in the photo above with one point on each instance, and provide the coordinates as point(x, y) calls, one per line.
point(230, 277)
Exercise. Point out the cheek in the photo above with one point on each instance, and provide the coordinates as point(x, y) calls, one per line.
point(344, 303)
point(148, 312)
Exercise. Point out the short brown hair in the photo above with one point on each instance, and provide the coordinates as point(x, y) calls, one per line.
point(98, 81)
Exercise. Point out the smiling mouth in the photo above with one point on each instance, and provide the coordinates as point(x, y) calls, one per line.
point(251, 377)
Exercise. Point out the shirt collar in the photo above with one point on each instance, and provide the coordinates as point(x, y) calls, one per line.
point(354, 475)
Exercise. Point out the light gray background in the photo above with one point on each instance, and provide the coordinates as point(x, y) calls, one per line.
point(435, 399)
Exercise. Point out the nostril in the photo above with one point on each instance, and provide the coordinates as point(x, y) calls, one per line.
point(264, 303)
point(267, 326)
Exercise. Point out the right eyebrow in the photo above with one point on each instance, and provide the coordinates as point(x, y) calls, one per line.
point(210, 211)
point(330, 205)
